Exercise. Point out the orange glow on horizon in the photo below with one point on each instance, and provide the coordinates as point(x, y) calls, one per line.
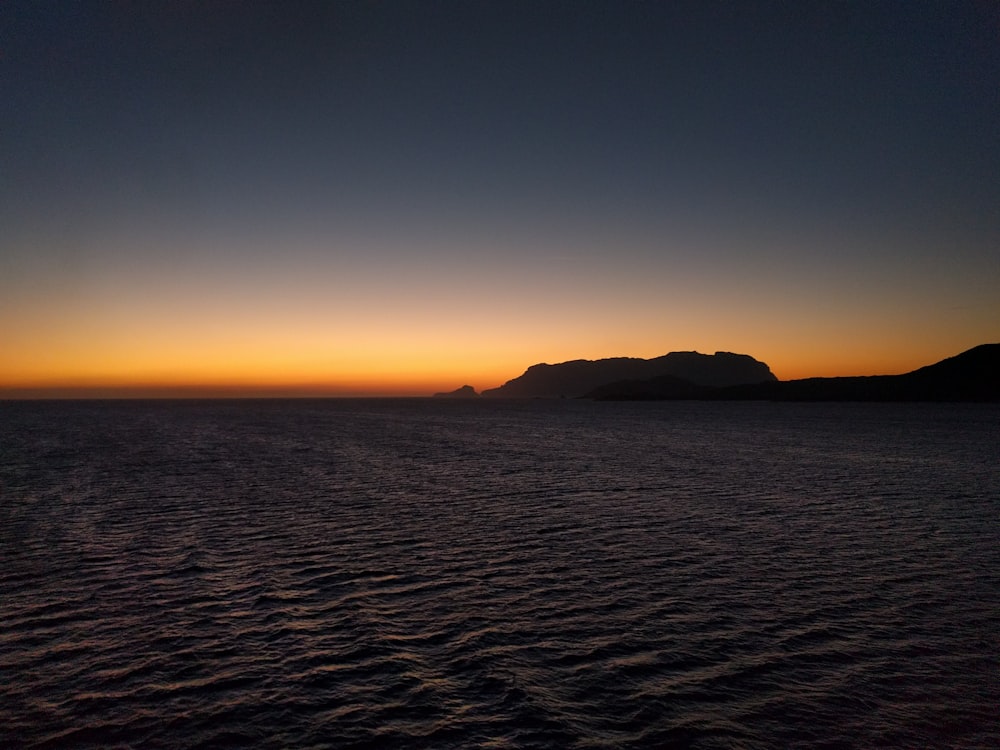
point(418, 333)
point(228, 375)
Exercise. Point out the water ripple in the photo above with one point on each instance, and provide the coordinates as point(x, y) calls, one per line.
point(545, 574)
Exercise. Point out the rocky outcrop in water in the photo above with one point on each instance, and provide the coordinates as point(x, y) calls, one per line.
point(466, 391)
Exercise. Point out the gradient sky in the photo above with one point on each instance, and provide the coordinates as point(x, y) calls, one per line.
point(402, 197)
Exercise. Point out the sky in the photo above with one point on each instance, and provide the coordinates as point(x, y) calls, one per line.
point(397, 198)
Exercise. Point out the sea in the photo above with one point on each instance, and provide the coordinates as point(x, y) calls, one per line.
point(435, 573)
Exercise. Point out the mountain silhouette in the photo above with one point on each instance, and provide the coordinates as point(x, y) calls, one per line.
point(661, 388)
point(579, 377)
point(973, 375)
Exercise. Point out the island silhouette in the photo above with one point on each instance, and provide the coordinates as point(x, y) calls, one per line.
point(973, 375)
point(579, 377)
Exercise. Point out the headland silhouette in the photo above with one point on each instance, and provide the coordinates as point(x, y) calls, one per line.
point(973, 375)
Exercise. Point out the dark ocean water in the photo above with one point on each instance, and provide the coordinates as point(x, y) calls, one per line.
point(427, 573)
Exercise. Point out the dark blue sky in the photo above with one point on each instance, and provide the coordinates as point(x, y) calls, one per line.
point(736, 148)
